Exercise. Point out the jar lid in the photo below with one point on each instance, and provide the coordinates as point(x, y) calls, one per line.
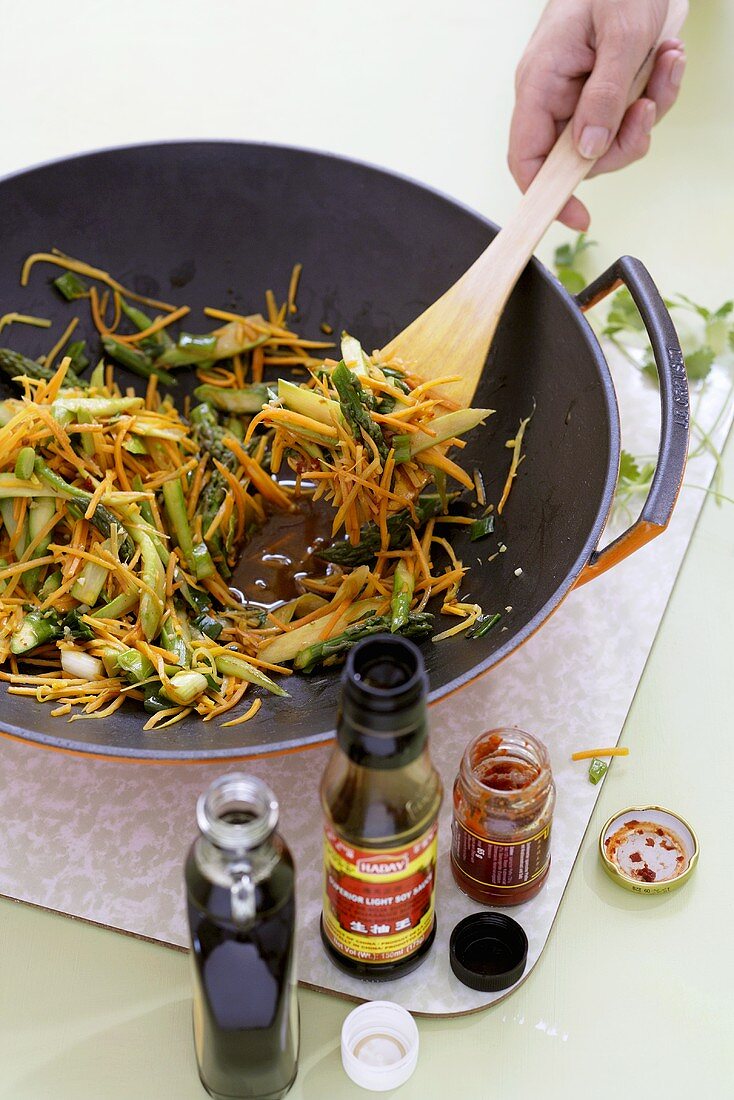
point(488, 951)
point(648, 849)
point(379, 1045)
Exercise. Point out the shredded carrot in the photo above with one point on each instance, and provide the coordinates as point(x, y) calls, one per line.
point(61, 342)
point(81, 268)
point(155, 326)
point(293, 287)
point(23, 319)
point(248, 714)
point(516, 445)
point(589, 754)
point(340, 462)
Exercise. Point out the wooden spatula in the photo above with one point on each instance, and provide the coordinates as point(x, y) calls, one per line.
point(452, 337)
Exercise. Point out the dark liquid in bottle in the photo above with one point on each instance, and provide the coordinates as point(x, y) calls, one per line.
point(381, 794)
point(245, 1009)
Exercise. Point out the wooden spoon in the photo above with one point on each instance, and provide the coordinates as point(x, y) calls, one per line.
point(452, 337)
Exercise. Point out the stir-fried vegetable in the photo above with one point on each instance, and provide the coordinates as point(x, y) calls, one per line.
point(123, 516)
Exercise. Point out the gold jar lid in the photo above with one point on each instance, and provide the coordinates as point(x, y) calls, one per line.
point(648, 849)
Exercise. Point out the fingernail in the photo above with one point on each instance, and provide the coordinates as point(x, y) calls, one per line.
point(594, 141)
point(676, 73)
point(649, 116)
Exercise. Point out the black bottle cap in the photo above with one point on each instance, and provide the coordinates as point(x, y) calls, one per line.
point(488, 951)
point(382, 719)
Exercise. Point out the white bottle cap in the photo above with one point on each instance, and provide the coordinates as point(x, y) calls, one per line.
point(379, 1045)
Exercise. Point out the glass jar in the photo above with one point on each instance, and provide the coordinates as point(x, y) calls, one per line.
point(503, 808)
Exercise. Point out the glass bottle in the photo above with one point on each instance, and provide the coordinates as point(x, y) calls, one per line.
point(241, 909)
point(380, 796)
point(503, 808)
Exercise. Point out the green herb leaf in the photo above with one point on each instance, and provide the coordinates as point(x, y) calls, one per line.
point(567, 255)
point(698, 363)
point(573, 280)
point(623, 315)
point(628, 468)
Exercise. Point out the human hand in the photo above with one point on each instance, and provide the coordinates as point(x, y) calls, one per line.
point(581, 63)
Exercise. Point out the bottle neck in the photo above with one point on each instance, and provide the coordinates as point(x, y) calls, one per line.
point(237, 818)
point(382, 717)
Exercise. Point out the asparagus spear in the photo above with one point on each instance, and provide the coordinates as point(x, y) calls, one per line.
point(135, 666)
point(8, 513)
point(223, 343)
point(40, 514)
point(135, 360)
point(97, 406)
point(236, 427)
point(155, 344)
point(354, 406)
point(154, 575)
point(51, 584)
point(402, 595)
point(116, 608)
point(175, 643)
point(248, 400)
point(86, 439)
point(197, 557)
point(37, 628)
point(418, 625)
point(91, 580)
point(210, 434)
point(24, 463)
point(101, 518)
point(15, 365)
point(76, 352)
point(242, 670)
point(398, 527)
point(147, 514)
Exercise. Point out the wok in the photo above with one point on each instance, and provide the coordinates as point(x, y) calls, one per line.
point(216, 224)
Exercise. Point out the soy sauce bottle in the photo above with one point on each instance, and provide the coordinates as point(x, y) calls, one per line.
point(241, 909)
point(380, 796)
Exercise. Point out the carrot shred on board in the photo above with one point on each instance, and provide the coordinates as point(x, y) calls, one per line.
point(589, 754)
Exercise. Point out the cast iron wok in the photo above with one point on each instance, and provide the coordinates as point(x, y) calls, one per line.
point(216, 224)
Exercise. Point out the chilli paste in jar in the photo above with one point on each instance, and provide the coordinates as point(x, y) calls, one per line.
point(503, 809)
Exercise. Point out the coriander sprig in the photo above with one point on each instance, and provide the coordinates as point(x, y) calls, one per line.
point(623, 327)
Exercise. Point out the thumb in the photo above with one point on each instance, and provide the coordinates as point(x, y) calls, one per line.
point(603, 100)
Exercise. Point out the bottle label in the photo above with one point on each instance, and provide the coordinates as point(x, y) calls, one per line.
point(378, 903)
point(506, 865)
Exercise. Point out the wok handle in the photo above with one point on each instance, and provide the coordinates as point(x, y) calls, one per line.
point(674, 410)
